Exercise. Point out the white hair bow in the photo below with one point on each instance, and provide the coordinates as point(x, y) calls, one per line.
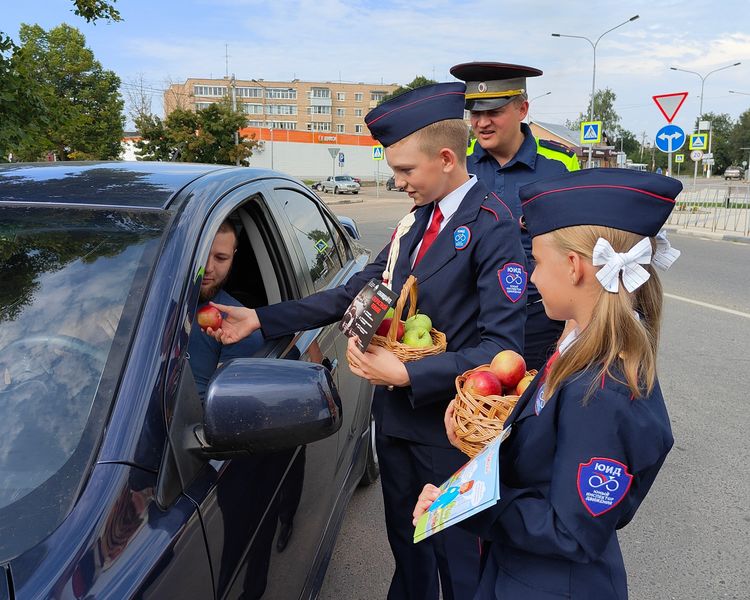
point(665, 255)
point(628, 263)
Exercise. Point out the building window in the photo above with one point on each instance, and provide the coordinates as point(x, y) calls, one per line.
point(283, 93)
point(249, 92)
point(210, 90)
point(284, 124)
point(357, 112)
point(340, 95)
point(377, 96)
point(255, 123)
point(252, 109)
point(340, 128)
point(319, 110)
point(318, 126)
point(320, 93)
point(340, 112)
point(281, 109)
point(358, 128)
point(202, 105)
point(358, 97)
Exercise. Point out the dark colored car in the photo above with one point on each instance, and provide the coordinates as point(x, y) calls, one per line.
point(117, 480)
point(390, 185)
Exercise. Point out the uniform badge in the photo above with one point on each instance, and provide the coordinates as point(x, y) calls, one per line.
point(513, 281)
point(602, 484)
point(461, 237)
point(540, 401)
point(482, 86)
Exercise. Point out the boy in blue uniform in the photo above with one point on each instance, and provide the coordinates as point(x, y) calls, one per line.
point(506, 156)
point(456, 242)
point(591, 432)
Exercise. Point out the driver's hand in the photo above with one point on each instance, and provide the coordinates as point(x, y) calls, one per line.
point(237, 323)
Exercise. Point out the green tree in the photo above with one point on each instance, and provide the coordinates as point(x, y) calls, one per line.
point(739, 139)
point(418, 81)
point(82, 104)
point(625, 141)
point(204, 136)
point(721, 146)
point(604, 111)
point(93, 10)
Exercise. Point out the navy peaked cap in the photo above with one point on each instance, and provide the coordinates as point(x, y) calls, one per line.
point(619, 198)
point(403, 115)
point(491, 85)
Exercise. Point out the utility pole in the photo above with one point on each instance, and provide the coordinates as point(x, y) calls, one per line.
point(643, 141)
point(233, 83)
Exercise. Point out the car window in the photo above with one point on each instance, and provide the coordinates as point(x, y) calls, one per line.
point(313, 235)
point(73, 280)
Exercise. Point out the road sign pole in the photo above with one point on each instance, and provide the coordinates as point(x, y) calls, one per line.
point(377, 179)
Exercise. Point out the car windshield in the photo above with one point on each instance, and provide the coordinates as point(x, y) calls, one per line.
point(73, 280)
point(343, 178)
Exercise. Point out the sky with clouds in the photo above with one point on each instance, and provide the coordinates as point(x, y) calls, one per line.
point(392, 41)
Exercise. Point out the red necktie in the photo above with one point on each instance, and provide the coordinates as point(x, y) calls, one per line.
point(430, 234)
point(548, 367)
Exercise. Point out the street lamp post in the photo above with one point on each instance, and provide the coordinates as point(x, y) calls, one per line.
point(593, 77)
point(534, 98)
point(233, 84)
point(700, 110)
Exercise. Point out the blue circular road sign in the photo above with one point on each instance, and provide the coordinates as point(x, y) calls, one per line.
point(670, 138)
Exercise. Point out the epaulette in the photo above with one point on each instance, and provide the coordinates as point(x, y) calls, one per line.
point(556, 146)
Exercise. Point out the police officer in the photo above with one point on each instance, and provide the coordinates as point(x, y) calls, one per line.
point(463, 245)
point(591, 432)
point(505, 156)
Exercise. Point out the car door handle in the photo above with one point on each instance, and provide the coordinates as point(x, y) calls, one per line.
point(331, 365)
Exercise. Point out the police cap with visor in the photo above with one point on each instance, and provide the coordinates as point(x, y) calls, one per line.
point(491, 85)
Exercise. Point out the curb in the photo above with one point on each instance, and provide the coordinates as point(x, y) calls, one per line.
point(726, 237)
point(342, 201)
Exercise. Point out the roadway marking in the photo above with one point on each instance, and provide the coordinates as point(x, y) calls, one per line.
point(707, 305)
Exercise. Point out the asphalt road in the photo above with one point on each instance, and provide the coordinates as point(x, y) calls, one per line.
point(691, 537)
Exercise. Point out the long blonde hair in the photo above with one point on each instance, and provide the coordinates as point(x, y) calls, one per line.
point(624, 327)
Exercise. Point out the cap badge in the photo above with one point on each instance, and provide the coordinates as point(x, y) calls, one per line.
point(482, 87)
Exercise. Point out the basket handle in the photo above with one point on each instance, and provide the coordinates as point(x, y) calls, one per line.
point(409, 290)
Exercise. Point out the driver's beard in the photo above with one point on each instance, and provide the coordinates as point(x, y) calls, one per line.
point(209, 293)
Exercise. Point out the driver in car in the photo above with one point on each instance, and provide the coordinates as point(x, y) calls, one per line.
point(204, 352)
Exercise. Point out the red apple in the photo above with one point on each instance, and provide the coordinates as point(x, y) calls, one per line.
point(509, 367)
point(209, 316)
point(483, 383)
point(523, 384)
point(386, 324)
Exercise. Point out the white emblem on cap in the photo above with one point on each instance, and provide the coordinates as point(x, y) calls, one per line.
point(482, 87)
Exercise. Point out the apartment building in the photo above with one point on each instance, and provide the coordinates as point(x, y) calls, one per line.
point(326, 107)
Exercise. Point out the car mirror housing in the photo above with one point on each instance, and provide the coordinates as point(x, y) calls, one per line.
point(266, 405)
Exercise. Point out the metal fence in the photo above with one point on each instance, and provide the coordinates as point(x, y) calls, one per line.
point(723, 208)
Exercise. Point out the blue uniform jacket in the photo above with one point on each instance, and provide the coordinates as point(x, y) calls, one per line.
point(459, 289)
point(525, 167)
point(570, 476)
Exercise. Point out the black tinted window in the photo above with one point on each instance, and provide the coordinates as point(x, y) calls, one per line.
point(313, 235)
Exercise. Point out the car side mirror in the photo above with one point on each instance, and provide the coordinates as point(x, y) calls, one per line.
point(351, 227)
point(259, 405)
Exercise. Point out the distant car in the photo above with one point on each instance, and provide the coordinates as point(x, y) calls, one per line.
point(390, 185)
point(733, 173)
point(317, 186)
point(118, 480)
point(340, 184)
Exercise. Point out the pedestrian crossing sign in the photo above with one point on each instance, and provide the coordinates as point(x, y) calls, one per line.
point(698, 141)
point(679, 158)
point(377, 153)
point(591, 132)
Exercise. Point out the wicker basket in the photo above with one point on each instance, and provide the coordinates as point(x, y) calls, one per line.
point(479, 419)
point(403, 352)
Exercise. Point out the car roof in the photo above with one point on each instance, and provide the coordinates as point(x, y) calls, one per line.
point(141, 184)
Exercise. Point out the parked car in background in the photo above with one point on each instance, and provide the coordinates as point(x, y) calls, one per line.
point(391, 185)
point(340, 184)
point(117, 480)
point(734, 172)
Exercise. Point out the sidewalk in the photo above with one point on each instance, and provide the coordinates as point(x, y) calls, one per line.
point(727, 236)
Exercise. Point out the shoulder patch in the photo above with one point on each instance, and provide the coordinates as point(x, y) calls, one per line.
point(602, 484)
point(513, 279)
point(556, 146)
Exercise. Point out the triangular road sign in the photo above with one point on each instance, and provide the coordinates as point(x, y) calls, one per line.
point(670, 104)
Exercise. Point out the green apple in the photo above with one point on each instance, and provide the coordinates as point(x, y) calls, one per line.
point(418, 321)
point(389, 313)
point(417, 337)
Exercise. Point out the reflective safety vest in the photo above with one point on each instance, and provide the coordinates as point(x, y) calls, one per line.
point(548, 149)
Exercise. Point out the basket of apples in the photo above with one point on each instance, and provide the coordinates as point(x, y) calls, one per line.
point(413, 338)
point(485, 397)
